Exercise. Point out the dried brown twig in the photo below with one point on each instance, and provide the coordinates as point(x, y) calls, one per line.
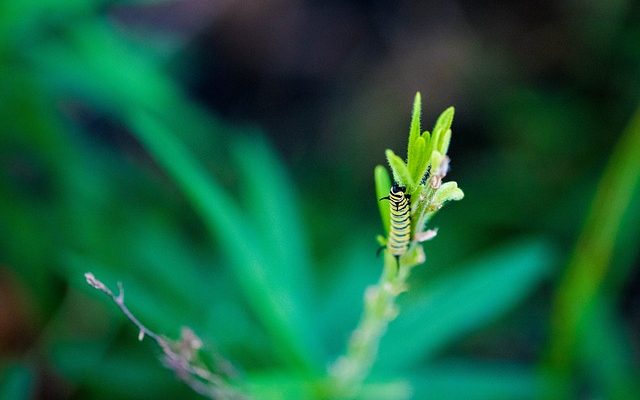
point(182, 355)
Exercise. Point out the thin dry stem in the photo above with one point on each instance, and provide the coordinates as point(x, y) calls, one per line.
point(181, 355)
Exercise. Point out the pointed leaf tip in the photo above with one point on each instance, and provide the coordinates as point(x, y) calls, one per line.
point(400, 171)
point(445, 140)
point(449, 191)
point(414, 129)
point(443, 124)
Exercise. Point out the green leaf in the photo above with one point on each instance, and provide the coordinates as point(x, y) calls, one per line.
point(448, 191)
point(443, 124)
point(591, 260)
point(75, 358)
point(443, 146)
point(272, 204)
point(401, 173)
point(280, 385)
point(101, 65)
point(399, 389)
point(428, 145)
point(414, 130)
point(16, 383)
point(383, 185)
point(463, 300)
point(270, 200)
point(473, 380)
point(603, 349)
point(426, 154)
point(94, 55)
point(118, 373)
point(419, 159)
point(436, 159)
point(226, 222)
point(24, 18)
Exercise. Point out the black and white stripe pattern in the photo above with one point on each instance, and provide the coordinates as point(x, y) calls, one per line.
point(400, 227)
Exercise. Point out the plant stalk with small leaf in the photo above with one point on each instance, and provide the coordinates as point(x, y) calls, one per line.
point(184, 356)
point(423, 176)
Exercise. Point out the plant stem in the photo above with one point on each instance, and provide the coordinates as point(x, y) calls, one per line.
point(349, 371)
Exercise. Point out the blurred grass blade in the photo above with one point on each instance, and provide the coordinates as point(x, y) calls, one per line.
point(463, 300)
point(102, 66)
point(16, 383)
point(472, 380)
point(90, 60)
point(226, 222)
point(117, 374)
point(390, 390)
point(30, 130)
point(271, 202)
point(27, 16)
point(279, 385)
point(592, 255)
point(604, 349)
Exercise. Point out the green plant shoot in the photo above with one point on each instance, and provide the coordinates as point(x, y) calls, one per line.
point(421, 177)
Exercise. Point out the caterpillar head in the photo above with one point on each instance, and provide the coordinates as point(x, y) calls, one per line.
point(397, 188)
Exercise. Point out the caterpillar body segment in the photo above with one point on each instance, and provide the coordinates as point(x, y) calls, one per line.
point(400, 227)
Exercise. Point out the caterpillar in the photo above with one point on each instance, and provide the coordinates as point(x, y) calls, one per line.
point(400, 227)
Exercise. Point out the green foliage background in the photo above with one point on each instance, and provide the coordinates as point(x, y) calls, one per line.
point(263, 240)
